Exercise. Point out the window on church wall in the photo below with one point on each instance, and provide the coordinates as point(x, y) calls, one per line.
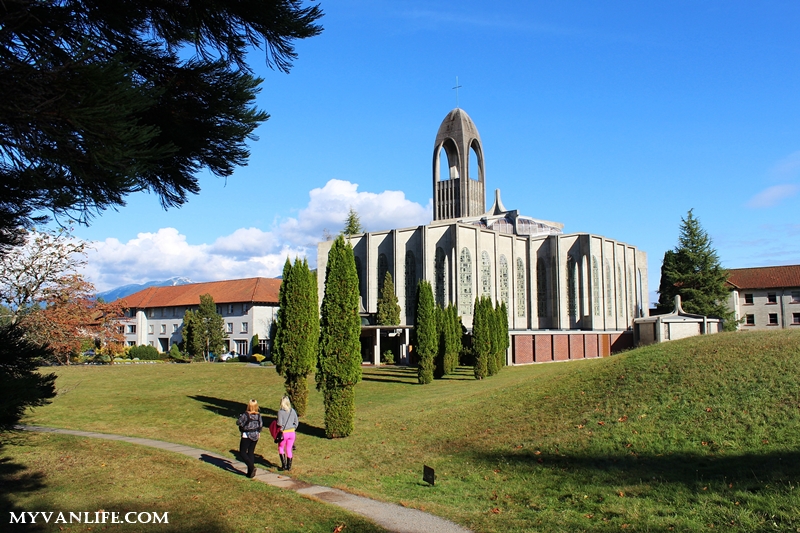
point(411, 285)
point(629, 292)
point(572, 288)
point(620, 292)
point(486, 275)
point(441, 280)
point(609, 291)
point(465, 282)
point(383, 268)
point(520, 287)
point(360, 275)
point(595, 287)
point(541, 288)
point(503, 280)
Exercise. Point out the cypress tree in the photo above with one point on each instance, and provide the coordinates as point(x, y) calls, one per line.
point(426, 332)
point(492, 366)
point(297, 332)
point(388, 307)
point(481, 338)
point(505, 341)
point(339, 362)
point(453, 339)
point(442, 329)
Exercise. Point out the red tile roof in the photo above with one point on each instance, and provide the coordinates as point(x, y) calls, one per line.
point(775, 277)
point(250, 290)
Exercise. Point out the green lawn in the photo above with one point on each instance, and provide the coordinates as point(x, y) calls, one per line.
point(698, 434)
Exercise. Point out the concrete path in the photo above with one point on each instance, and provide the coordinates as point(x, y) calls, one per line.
point(392, 517)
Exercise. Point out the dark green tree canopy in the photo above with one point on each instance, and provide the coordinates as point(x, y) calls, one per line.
point(102, 99)
point(693, 271)
point(352, 224)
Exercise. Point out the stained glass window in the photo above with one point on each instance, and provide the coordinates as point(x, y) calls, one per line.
point(609, 292)
point(465, 283)
point(486, 275)
point(595, 287)
point(411, 286)
point(541, 288)
point(503, 272)
point(441, 280)
point(572, 288)
point(383, 268)
point(520, 287)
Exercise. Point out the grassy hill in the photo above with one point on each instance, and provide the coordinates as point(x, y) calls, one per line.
point(692, 435)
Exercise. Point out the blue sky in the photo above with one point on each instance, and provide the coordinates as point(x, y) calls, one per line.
point(614, 118)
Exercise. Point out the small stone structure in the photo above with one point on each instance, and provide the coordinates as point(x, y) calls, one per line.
point(676, 325)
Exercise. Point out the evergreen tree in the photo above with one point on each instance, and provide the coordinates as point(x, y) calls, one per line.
point(297, 332)
point(426, 332)
point(103, 99)
point(204, 329)
point(452, 339)
point(693, 271)
point(22, 385)
point(492, 366)
point(352, 224)
point(388, 308)
point(442, 330)
point(339, 362)
point(505, 341)
point(481, 338)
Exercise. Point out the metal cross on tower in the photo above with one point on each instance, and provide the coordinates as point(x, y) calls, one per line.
point(457, 87)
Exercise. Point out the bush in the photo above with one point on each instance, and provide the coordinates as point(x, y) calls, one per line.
point(145, 353)
point(388, 357)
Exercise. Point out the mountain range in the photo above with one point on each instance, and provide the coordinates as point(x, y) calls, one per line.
point(125, 290)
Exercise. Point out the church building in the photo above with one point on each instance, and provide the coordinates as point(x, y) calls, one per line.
point(568, 295)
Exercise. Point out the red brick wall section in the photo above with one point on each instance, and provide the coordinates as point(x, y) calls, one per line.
point(523, 349)
point(543, 345)
point(590, 345)
point(576, 347)
point(621, 341)
point(560, 347)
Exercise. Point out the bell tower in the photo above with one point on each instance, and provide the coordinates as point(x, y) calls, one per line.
point(456, 195)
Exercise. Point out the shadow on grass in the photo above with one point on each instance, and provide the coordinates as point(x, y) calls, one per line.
point(16, 479)
point(231, 409)
point(749, 472)
point(397, 374)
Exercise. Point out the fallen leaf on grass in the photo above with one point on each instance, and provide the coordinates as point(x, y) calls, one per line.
point(622, 418)
point(496, 511)
point(338, 529)
point(601, 423)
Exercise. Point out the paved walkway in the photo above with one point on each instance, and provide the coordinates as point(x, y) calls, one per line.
point(392, 517)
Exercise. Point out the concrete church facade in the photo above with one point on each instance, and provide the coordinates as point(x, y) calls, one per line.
point(568, 296)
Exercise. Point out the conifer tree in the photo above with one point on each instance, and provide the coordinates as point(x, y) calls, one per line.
point(352, 224)
point(505, 341)
point(426, 332)
point(481, 337)
point(452, 339)
point(388, 307)
point(492, 366)
point(297, 332)
point(693, 271)
point(204, 329)
point(442, 330)
point(339, 362)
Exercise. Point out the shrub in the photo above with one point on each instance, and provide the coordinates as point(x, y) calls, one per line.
point(388, 357)
point(145, 353)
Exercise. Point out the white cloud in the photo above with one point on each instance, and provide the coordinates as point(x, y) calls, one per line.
point(787, 168)
point(249, 252)
point(774, 195)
